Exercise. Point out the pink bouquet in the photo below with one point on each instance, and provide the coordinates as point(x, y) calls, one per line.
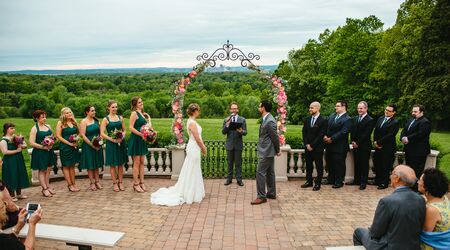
point(148, 133)
point(18, 140)
point(48, 141)
point(97, 141)
point(117, 134)
point(76, 139)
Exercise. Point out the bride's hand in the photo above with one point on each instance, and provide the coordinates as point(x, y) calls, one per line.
point(204, 150)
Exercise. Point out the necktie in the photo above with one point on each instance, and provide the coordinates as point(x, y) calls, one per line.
point(385, 119)
point(312, 121)
point(411, 124)
point(360, 118)
point(337, 118)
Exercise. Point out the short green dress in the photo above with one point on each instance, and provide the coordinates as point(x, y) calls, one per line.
point(69, 155)
point(136, 145)
point(91, 159)
point(41, 159)
point(115, 155)
point(14, 174)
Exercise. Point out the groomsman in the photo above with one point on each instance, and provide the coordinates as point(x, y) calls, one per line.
point(234, 143)
point(337, 146)
point(416, 138)
point(314, 129)
point(384, 142)
point(360, 136)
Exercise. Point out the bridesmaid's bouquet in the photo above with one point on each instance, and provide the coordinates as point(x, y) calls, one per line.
point(75, 138)
point(18, 140)
point(148, 133)
point(48, 141)
point(117, 134)
point(97, 141)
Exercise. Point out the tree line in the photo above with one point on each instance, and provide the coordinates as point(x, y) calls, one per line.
point(406, 64)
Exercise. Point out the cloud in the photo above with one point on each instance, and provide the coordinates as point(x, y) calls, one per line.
point(90, 33)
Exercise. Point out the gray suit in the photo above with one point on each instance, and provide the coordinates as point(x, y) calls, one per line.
point(268, 147)
point(234, 146)
point(397, 222)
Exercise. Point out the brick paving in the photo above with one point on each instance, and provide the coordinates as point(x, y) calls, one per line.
point(298, 219)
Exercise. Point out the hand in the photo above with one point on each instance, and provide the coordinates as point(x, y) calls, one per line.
point(240, 130)
point(35, 217)
point(204, 150)
point(405, 140)
point(21, 219)
point(23, 146)
point(354, 144)
point(279, 153)
point(227, 123)
point(309, 148)
point(72, 144)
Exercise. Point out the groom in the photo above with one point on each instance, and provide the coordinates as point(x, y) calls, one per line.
point(234, 126)
point(268, 147)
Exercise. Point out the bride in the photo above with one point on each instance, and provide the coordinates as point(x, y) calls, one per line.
point(189, 187)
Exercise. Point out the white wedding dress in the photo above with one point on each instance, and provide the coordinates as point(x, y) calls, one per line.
point(189, 187)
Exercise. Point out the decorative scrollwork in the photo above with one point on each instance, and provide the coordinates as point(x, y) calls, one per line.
point(228, 53)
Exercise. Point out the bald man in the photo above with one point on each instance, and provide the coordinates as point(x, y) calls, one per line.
point(314, 128)
point(398, 218)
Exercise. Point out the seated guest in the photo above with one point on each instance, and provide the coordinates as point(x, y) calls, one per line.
point(11, 241)
point(434, 185)
point(398, 218)
point(12, 210)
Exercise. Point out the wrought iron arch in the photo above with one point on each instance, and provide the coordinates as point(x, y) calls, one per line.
point(228, 53)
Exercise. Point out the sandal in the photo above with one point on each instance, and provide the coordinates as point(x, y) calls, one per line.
point(46, 194)
point(138, 188)
point(116, 187)
point(121, 187)
point(98, 185)
point(51, 190)
point(72, 188)
point(93, 186)
point(143, 186)
point(14, 199)
point(21, 196)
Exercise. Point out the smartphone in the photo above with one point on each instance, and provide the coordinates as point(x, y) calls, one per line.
point(31, 208)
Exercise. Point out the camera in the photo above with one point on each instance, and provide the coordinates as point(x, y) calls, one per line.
point(31, 208)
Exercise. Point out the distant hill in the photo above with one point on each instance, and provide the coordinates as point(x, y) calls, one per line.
point(220, 68)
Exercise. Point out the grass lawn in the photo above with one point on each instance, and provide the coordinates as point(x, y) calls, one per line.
point(212, 131)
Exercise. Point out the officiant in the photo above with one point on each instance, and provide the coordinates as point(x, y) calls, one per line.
point(234, 127)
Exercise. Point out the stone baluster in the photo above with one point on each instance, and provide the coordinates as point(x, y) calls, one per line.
point(152, 162)
point(160, 162)
point(300, 163)
point(291, 163)
point(168, 164)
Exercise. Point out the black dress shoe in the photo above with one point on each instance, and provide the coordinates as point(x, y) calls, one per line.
point(240, 183)
point(382, 186)
point(316, 188)
point(271, 197)
point(338, 185)
point(307, 184)
point(362, 186)
point(352, 183)
point(227, 183)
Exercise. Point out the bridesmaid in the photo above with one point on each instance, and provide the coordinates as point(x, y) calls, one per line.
point(42, 157)
point(68, 152)
point(137, 146)
point(14, 174)
point(116, 149)
point(91, 156)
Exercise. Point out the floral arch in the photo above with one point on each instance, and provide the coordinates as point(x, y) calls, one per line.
point(227, 53)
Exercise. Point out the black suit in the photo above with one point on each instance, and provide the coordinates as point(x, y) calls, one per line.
point(361, 132)
point(418, 147)
point(397, 222)
point(234, 146)
point(383, 159)
point(314, 137)
point(336, 151)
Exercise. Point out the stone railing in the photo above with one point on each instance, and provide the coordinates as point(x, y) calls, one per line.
point(168, 162)
point(296, 166)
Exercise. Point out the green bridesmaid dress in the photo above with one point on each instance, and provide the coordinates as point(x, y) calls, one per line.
point(41, 159)
point(115, 155)
point(91, 159)
point(14, 173)
point(136, 145)
point(68, 154)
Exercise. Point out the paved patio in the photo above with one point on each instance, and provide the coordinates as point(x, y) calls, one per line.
point(298, 219)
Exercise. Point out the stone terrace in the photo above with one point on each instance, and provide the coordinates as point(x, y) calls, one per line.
point(298, 219)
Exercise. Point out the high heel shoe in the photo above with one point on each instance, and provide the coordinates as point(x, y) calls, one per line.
point(137, 188)
point(121, 187)
point(72, 188)
point(51, 190)
point(143, 186)
point(46, 194)
point(116, 187)
point(98, 185)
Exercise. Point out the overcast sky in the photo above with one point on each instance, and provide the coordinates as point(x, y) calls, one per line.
point(62, 34)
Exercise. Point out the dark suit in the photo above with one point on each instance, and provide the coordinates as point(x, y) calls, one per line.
point(383, 159)
point(314, 137)
point(397, 222)
point(361, 132)
point(336, 151)
point(418, 147)
point(234, 146)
